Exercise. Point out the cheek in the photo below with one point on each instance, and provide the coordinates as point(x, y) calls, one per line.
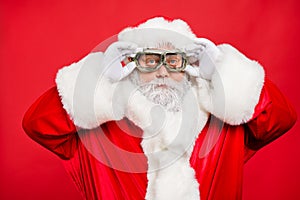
point(177, 76)
point(147, 77)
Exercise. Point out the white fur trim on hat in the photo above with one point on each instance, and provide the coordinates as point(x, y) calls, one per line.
point(159, 31)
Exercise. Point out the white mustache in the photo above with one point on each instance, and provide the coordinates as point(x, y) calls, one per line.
point(169, 83)
point(163, 91)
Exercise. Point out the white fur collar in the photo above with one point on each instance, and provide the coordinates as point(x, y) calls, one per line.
point(169, 150)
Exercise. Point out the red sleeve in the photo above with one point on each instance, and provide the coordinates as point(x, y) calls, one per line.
point(47, 123)
point(273, 116)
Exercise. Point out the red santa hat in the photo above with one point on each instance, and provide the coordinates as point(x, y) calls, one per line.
point(157, 31)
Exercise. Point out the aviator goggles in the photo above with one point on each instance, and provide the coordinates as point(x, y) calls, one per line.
point(150, 60)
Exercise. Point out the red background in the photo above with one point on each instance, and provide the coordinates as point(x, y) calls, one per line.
point(39, 37)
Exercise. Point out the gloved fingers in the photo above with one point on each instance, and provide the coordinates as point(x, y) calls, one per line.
point(126, 48)
point(193, 49)
point(127, 69)
point(192, 71)
point(122, 45)
point(121, 48)
point(204, 42)
point(210, 47)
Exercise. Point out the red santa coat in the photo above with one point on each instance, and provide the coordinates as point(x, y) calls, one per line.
point(219, 170)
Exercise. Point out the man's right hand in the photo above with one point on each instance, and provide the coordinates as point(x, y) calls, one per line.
point(114, 55)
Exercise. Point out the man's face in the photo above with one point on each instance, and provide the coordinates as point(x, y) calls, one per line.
point(162, 86)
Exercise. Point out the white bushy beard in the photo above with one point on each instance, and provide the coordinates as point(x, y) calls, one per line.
point(163, 91)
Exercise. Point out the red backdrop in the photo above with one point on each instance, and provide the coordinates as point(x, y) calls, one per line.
point(39, 37)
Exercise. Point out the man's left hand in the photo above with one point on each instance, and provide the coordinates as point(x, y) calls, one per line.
point(202, 55)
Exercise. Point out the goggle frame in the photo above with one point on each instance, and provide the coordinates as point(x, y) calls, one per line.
point(162, 60)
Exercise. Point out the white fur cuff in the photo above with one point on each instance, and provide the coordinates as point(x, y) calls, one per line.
point(235, 87)
point(86, 95)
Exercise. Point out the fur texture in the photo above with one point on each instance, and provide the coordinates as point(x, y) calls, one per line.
point(231, 95)
point(168, 152)
point(235, 87)
point(80, 85)
point(91, 99)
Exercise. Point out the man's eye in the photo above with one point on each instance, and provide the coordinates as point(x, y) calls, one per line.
point(151, 61)
point(173, 62)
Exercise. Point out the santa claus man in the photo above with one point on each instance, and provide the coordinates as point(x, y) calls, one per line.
point(159, 115)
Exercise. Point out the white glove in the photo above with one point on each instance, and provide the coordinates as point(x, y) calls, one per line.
point(202, 55)
point(114, 55)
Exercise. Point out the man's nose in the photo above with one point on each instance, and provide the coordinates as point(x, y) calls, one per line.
point(162, 72)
